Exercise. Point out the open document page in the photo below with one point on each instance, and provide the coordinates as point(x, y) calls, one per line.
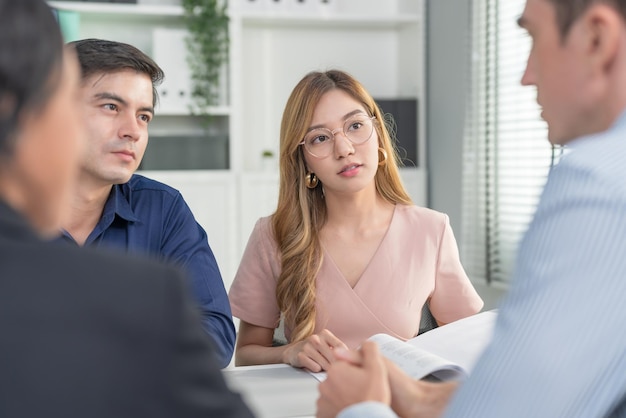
point(416, 362)
point(444, 353)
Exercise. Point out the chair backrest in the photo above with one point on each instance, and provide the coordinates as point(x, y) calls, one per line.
point(428, 321)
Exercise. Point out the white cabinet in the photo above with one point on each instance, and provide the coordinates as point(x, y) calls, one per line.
point(212, 197)
point(169, 51)
point(380, 43)
point(273, 44)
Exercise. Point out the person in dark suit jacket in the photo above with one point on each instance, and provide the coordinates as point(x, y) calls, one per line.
point(82, 333)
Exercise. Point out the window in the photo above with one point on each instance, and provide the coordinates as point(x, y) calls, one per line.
point(506, 153)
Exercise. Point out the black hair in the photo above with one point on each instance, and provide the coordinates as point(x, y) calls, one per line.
point(31, 56)
point(99, 56)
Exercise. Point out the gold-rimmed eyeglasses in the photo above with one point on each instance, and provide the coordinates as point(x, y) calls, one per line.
point(358, 129)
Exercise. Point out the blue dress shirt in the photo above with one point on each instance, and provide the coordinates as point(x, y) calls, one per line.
point(559, 346)
point(145, 216)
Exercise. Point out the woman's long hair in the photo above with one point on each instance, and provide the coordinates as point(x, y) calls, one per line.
point(301, 212)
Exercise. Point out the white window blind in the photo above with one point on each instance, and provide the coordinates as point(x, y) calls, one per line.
point(506, 154)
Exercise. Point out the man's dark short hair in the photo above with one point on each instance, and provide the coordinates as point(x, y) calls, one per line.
point(568, 11)
point(99, 56)
point(31, 56)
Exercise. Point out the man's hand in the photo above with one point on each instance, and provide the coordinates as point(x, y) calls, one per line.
point(417, 398)
point(355, 377)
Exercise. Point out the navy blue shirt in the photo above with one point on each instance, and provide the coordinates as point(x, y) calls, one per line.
point(148, 217)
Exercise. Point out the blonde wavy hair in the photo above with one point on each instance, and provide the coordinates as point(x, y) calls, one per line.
point(301, 212)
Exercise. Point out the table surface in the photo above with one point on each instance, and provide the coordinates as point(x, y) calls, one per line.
point(279, 390)
point(274, 390)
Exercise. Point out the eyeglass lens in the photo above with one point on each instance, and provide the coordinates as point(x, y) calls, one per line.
point(320, 142)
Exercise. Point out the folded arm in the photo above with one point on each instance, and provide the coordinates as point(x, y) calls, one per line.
point(315, 353)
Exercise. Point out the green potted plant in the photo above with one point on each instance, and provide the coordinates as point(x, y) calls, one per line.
point(207, 47)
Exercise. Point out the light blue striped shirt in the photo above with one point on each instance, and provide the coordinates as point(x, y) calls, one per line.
point(559, 346)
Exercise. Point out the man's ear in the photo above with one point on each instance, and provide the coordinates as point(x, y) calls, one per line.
point(602, 26)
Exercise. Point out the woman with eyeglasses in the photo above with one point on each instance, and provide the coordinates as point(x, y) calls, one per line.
point(346, 254)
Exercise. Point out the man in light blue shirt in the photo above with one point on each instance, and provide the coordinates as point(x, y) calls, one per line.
point(558, 349)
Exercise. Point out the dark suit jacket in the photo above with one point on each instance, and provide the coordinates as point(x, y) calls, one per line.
point(86, 334)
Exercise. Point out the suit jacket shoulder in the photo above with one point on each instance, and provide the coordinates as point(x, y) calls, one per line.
point(98, 334)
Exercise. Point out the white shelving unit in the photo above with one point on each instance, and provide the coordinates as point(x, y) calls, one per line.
point(272, 46)
point(117, 10)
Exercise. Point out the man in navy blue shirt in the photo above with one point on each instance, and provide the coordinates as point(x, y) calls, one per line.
point(113, 207)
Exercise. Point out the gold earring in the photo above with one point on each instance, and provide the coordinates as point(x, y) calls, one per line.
point(310, 180)
point(382, 152)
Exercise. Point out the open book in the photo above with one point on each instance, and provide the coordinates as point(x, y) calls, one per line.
point(444, 353)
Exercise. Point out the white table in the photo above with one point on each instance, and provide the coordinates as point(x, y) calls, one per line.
point(279, 390)
point(275, 390)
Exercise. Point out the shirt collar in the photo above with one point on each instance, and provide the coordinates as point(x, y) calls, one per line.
point(618, 124)
point(118, 203)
